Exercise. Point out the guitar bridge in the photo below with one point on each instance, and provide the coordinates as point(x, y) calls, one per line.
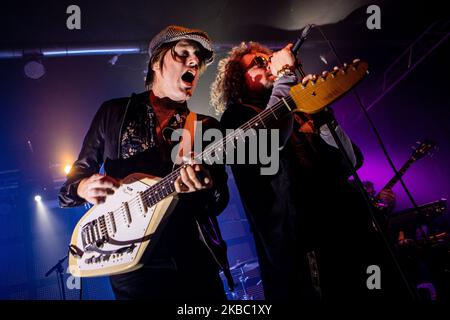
point(95, 232)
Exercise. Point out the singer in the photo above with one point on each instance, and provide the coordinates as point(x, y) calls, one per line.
point(300, 216)
point(184, 263)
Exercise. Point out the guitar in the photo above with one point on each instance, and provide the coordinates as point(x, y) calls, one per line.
point(112, 237)
point(419, 152)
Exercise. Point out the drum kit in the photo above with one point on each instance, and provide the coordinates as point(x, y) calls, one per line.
point(248, 284)
point(422, 238)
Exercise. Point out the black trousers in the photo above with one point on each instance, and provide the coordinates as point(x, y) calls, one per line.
point(169, 285)
point(194, 277)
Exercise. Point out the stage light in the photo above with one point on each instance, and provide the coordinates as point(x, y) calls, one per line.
point(34, 69)
point(67, 168)
point(100, 51)
point(37, 198)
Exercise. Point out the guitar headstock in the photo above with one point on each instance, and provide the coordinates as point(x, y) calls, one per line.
point(316, 95)
point(422, 149)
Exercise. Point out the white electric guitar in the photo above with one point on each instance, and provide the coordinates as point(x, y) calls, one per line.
point(112, 237)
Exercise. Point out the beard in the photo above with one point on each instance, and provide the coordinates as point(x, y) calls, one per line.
point(259, 98)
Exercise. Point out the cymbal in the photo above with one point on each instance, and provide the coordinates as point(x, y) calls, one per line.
point(247, 265)
point(250, 266)
point(232, 220)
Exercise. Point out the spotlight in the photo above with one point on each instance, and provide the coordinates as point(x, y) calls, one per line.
point(67, 168)
point(34, 69)
point(37, 198)
point(113, 60)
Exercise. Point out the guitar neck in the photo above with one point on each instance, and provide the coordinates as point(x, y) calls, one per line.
point(164, 188)
point(309, 98)
point(400, 174)
point(264, 119)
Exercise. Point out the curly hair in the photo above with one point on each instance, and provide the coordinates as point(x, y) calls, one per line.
point(229, 84)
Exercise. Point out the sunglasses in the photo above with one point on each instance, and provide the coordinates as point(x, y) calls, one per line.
point(259, 61)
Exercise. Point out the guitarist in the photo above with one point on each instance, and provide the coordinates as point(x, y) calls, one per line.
point(306, 218)
point(131, 135)
point(384, 201)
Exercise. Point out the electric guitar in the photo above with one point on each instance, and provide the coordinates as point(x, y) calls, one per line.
point(112, 237)
point(419, 152)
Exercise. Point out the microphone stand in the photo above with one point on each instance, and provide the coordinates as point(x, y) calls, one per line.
point(58, 268)
point(331, 125)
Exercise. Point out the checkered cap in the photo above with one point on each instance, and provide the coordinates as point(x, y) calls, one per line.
point(176, 33)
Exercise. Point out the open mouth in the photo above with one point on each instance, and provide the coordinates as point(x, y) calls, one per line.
point(188, 77)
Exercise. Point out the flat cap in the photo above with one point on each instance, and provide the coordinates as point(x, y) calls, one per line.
point(176, 33)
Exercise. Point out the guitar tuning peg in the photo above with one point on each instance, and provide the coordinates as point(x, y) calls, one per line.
point(334, 71)
point(314, 79)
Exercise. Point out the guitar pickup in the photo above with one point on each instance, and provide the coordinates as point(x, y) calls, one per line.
point(112, 222)
point(141, 203)
point(96, 231)
point(126, 209)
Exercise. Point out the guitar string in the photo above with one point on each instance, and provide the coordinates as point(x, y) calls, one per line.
point(267, 114)
point(153, 193)
point(120, 214)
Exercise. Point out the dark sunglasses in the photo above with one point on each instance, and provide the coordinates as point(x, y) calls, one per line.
point(259, 61)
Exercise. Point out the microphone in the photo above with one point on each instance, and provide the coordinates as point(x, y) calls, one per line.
point(296, 47)
point(302, 38)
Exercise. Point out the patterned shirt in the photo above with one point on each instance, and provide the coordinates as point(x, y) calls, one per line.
point(141, 135)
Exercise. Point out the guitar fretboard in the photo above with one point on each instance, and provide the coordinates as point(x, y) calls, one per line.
point(400, 174)
point(315, 95)
point(264, 119)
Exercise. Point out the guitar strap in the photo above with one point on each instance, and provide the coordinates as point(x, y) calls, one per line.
point(187, 138)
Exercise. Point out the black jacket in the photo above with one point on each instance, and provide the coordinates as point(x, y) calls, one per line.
point(289, 212)
point(194, 211)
